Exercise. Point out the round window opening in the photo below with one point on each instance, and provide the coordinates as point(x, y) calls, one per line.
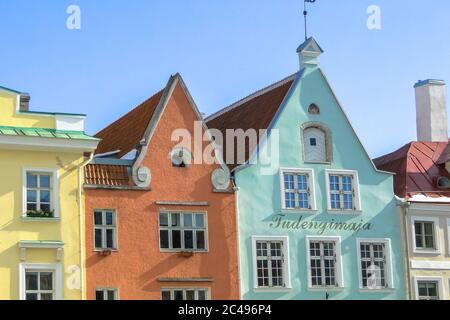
point(314, 109)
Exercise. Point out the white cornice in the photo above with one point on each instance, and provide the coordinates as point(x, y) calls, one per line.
point(47, 144)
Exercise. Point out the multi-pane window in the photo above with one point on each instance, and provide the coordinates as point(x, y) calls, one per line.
point(39, 192)
point(184, 294)
point(343, 192)
point(39, 285)
point(428, 290)
point(424, 234)
point(106, 294)
point(324, 263)
point(183, 231)
point(296, 190)
point(373, 265)
point(270, 264)
point(105, 229)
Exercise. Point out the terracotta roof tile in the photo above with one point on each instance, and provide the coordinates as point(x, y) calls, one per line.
point(108, 175)
point(126, 133)
point(418, 165)
point(255, 112)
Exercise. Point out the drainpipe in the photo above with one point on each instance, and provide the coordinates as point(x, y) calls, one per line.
point(236, 199)
point(404, 205)
point(80, 222)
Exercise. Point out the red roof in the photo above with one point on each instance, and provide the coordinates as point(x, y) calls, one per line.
point(126, 133)
point(254, 112)
point(108, 175)
point(418, 165)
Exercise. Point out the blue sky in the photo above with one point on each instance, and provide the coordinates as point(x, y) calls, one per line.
point(225, 50)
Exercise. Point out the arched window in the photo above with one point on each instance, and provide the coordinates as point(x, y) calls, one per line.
point(316, 143)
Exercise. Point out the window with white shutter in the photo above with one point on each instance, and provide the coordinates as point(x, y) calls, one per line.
point(343, 191)
point(374, 257)
point(297, 189)
point(324, 263)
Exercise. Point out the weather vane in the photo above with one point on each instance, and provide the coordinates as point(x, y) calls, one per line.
point(305, 14)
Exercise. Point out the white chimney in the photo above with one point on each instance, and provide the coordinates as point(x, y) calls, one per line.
point(431, 111)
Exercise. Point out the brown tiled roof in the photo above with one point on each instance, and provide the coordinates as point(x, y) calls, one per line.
point(108, 175)
point(126, 133)
point(418, 165)
point(255, 112)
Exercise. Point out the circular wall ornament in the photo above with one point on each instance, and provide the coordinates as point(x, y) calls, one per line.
point(220, 179)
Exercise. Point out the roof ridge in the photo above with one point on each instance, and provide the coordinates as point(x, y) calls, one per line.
point(251, 97)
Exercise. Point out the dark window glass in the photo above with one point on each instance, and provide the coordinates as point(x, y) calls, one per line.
point(99, 295)
point(32, 296)
point(189, 239)
point(176, 239)
point(178, 295)
point(110, 239)
point(164, 239)
point(32, 281)
point(201, 245)
point(163, 219)
point(111, 295)
point(98, 219)
point(165, 295)
point(98, 238)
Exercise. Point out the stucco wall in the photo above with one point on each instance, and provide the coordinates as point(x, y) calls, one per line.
point(14, 229)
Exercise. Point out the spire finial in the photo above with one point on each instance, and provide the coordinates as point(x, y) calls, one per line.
point(305, 14)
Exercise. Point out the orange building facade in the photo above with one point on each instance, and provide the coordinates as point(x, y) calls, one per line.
point(159, 226)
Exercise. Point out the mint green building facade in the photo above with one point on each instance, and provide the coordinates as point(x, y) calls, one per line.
point(320, 222)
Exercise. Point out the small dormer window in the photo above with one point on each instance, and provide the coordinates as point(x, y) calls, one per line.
point(314, 109)
point(313, 142)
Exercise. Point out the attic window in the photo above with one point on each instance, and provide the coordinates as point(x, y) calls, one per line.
point(317, 145)
point(314, 109)
point(181, 158)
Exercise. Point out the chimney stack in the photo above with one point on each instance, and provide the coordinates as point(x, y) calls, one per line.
point(24, 102)
point(431, 111)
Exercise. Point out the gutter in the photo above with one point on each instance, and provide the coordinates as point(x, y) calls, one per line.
point(80, 222)
point(404, 204)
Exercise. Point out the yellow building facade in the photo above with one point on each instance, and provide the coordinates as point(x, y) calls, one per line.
point(427, 230)
point(42, 156)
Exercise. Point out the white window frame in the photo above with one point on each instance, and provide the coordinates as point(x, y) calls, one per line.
point(105, 290)
point(183, 249)
point(437, 240)
point(104, 228)
point(311, 186)
point(389, 275)
point(286, 264)
point(356, 187)
point(439, 280)
point(39, 267)
point(184, 289)
point(448, 239)
point(339, 269)
point(54, 194)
